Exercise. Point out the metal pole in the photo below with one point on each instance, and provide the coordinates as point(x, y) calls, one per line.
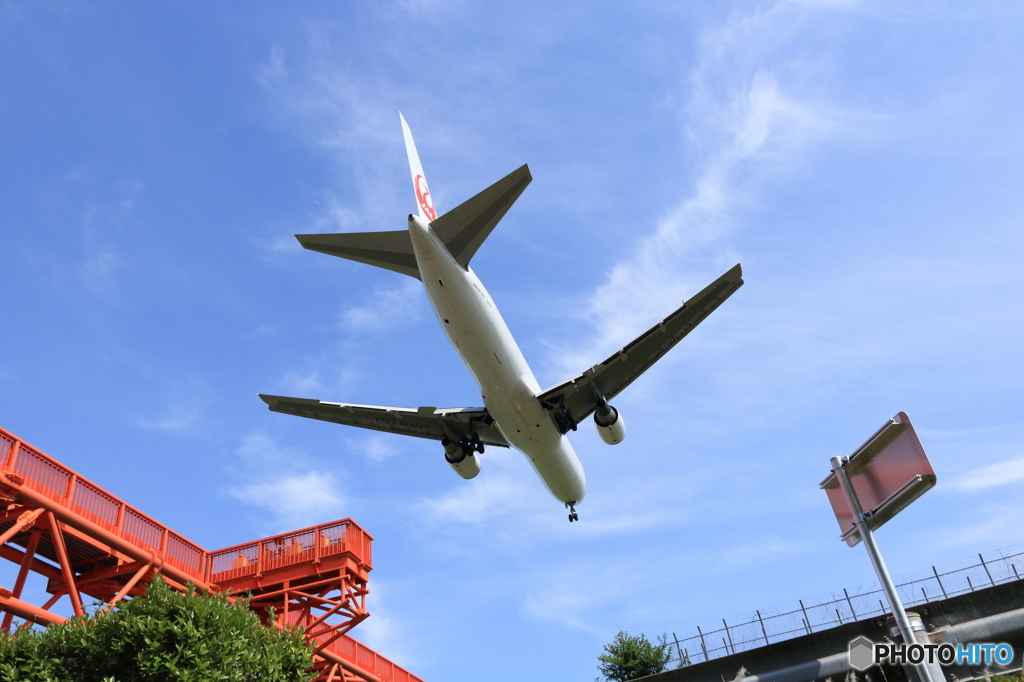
point(762, 627)
point(985, 566)
point(839, 468)
point(731, 645)
point(848, 601)
point(677, 648)
point(702, 646)
point(807, 621)
point(939, 581)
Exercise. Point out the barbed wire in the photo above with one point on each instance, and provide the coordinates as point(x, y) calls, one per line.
point(768, 628)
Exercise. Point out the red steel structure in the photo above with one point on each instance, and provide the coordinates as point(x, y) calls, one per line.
point(85, 540)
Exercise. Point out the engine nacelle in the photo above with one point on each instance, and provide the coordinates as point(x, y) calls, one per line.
point(461, 459)
point(610, 425)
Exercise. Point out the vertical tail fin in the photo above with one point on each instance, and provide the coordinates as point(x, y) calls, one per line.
point(419, 182)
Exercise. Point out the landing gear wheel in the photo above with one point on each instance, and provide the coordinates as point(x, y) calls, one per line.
point(475, 444)
point(573, 516)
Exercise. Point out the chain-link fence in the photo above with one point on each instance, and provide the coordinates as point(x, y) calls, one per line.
point(767, 628)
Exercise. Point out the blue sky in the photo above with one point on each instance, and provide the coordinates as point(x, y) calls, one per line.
point(863, 160)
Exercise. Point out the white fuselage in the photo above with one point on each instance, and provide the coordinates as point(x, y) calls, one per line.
point(482, 339)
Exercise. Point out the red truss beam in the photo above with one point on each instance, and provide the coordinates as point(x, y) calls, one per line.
point(85, 540)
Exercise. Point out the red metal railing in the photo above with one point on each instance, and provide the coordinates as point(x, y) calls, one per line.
point(368, 659)
point(50, 478)
point(310, 545)
point(288, 549)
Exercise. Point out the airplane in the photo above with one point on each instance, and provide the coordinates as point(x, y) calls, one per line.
point(517, 412)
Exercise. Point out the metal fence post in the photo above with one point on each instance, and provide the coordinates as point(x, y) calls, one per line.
point(765, 632)
point(731, 645)
point(939, 580)
point(985, 566)
point(676, 639)
point(807, 621)
point(850, 602)
point(702, 646)
point(970, 584)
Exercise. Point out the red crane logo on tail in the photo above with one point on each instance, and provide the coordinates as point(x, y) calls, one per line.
point(423, 196)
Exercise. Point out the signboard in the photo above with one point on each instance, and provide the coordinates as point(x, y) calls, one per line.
point(887, 473)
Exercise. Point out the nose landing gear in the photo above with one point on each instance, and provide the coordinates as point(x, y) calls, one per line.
point(573, 516)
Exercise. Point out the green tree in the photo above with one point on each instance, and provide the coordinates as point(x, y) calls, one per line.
point(628, 658)
point(163, 635)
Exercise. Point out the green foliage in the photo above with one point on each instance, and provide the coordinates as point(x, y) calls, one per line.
point(161, 636)
point(628, 658)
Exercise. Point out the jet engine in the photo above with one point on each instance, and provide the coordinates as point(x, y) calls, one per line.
point(610, 425)
point(461, 458)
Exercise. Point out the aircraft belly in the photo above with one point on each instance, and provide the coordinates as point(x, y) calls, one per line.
point(548, 452)
point(509, 389)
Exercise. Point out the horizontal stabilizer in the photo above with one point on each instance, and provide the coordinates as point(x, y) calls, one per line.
point(388, 250)
point(574, 400)
point(422, 422)
point(464, 228)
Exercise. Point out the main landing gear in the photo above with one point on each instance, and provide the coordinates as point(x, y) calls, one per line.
point(471, 443)
point(573, 516)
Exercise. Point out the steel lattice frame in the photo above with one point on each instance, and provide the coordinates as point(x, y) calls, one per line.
point(84, 540)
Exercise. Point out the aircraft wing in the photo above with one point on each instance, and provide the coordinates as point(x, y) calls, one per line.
point(572, 401)
point(421, 422)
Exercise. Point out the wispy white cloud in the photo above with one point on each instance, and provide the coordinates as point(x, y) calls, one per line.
point(570, 598)
point(180, 418)
point(995, 523)
point(283, 245)
point(295, 500)
point(375, 447)
point(285, 484)
point(507, 488)
point(386, 632)
point(389, 308)
point(187, 400)
point(99, 272)
point(485, 499)
point(303, 383)
point(991, 476)
point(752, 125)
point(574, 594)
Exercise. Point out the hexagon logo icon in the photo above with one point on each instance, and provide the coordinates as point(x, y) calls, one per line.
point(862, 654)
